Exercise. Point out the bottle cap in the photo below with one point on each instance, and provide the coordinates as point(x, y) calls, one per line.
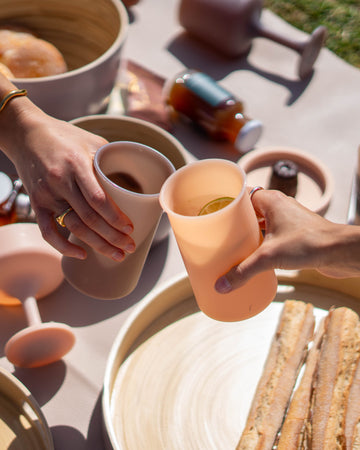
point(248, 135)
point(6, 186)
point(23, 207)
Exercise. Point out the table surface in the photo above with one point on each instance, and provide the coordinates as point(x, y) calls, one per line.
point(320, 115)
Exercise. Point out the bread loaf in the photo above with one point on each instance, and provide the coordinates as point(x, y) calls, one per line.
point(287, 352)
point(339, 357)
point(27, 56)
point(293, 432)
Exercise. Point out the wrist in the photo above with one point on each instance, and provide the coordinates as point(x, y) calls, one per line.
point(342, 256)
point(15, 120)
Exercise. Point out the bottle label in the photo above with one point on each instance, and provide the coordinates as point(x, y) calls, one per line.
point(207, 89)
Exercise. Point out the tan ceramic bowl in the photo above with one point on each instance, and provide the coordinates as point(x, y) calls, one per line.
point(89, 34)
point(123, 128)
point(315, 185)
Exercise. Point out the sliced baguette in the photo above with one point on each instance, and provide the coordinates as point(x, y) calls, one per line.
point(352, 418)
point(287, 353)
point(337, 363)
point(293, 431)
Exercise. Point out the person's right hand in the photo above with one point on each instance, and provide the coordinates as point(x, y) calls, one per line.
point(54, 160)
point(296, 238)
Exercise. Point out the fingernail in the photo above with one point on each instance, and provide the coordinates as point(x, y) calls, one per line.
point(118, 255)
point(81, 254)
point(223, 285)
point(129, 248)
point(128, 229)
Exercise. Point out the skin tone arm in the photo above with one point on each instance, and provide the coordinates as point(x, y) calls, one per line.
point(296, 238)
point(54, 160)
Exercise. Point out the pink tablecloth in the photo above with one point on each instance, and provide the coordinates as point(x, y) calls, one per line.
point(321, 116)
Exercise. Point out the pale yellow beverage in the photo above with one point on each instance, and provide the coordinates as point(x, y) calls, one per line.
point(210, 244)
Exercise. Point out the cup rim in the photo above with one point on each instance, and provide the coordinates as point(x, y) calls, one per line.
point(138, 145)
point(233, 204)
point(78, 121)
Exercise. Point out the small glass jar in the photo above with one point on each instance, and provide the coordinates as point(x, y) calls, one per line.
point(201, 99)
point(6, 186)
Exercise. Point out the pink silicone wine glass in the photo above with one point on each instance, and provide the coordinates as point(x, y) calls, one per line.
point(231, 25)
point(31, 269)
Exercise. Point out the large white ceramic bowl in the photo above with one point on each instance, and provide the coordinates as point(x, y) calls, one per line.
point(89, 34)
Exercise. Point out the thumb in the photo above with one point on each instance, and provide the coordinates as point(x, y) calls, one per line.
point(240, 274)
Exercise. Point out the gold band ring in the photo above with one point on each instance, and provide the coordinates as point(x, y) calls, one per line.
point(254, 189)
point(60, 219)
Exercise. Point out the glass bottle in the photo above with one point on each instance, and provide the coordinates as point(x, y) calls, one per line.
point(202, 100)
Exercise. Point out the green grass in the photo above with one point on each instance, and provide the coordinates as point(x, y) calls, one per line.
point(340, 17)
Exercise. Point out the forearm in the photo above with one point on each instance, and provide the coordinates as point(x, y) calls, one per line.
point(341, 256)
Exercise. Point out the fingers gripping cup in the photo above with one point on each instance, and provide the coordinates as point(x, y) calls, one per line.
point(132, 175)
point(212, 242)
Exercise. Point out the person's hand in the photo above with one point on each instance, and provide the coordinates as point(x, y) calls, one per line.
point(54, 159)
point(296, 238)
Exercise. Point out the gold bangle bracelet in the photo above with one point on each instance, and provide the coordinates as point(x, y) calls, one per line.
point(10, 95)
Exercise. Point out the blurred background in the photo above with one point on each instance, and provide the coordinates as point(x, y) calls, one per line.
point(340, 17)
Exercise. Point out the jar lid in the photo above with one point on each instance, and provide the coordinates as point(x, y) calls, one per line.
point(249, 135)
point(5, 187)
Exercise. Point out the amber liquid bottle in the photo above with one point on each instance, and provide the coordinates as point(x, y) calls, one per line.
point(201, 99)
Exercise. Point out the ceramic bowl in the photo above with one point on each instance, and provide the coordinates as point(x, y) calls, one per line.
point(315, 184)
point(123, 128)
point(89, 34)
point(21, 413)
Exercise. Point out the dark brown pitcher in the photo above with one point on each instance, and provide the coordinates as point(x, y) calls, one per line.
point(230, 25)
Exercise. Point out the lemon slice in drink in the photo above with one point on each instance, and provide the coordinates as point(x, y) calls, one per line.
point(215, 205)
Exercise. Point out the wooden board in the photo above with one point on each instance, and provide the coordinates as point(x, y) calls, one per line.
point(177, 380)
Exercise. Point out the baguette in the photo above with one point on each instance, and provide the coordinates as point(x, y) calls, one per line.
point(287, 353)
point(293, 431)
point(352, 418)
point(337, 363)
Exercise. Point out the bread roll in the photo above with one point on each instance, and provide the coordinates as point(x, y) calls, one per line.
point(4, 70)
point(27, 56)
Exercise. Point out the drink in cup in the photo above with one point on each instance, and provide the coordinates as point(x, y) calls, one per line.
point(212, 242)
point(132, 175)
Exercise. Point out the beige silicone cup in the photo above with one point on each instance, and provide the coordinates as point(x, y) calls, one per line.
point(29, 269)
point(211, 244)
point(99, 276)
point(122, 128)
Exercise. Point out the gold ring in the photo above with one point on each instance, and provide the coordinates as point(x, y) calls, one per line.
point(60, 219)
point(254, 189)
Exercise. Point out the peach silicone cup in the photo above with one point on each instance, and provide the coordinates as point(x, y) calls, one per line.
point(30, 269)
point(211, 244)
point(99, 276)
